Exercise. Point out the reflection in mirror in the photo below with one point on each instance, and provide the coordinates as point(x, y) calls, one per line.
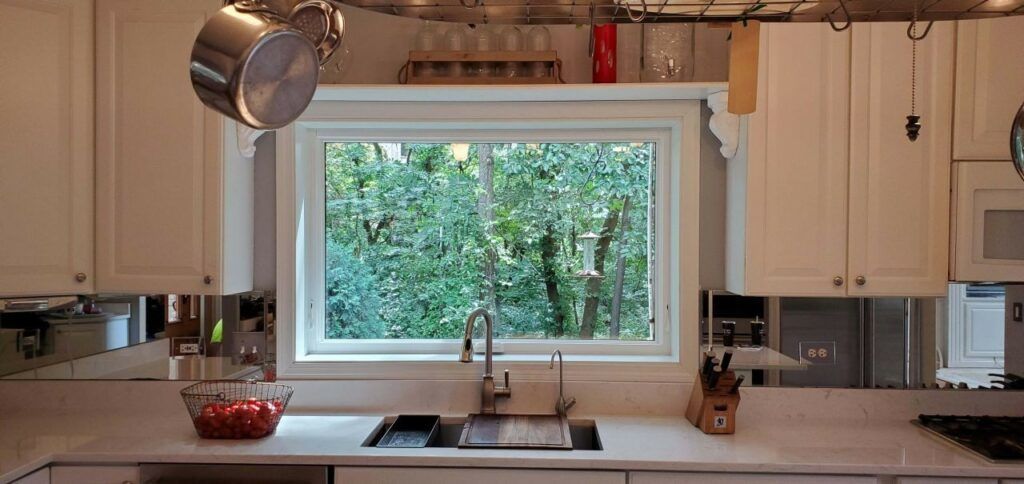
point(952, 342)
point(158, 337)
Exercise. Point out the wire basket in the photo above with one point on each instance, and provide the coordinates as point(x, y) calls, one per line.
point(236, 409)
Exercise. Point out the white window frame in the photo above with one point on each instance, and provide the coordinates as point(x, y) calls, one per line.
point(348, 115)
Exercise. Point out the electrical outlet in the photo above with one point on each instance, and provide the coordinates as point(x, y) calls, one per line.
point(818, 352)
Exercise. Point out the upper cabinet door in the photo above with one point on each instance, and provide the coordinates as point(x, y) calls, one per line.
point(158, 152)
point(989, 87)
point(796, 174)
point(899, 190)
point(46, 137)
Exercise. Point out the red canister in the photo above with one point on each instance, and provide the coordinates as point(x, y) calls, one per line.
point(604, 53)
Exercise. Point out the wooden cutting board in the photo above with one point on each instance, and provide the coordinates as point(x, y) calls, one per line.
point(516, 432)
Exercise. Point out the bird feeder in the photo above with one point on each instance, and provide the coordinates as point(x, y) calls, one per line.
point(589, 242)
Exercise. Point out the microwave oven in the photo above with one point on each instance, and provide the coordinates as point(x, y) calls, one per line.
point(987, 236)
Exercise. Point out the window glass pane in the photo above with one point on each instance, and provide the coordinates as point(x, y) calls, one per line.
point(418, 235)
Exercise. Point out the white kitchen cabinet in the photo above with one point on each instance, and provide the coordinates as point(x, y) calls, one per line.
point(899, 190)
point(724, 478)
point(42, 476)
point(94, 474)
point(428, 475)
point(46, 175)
point(989, 69)
point(786, 222)
point(173, 194)
point(829, 197)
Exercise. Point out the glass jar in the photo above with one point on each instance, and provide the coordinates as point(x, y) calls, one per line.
point(485, 40)
point(511, 41)
point(668, 52)
point(428, 39)
point(539, 40)
point(456, 40)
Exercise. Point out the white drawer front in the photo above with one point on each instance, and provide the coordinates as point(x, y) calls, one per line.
point(427, 475)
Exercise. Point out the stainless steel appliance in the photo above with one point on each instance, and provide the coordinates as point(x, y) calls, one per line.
point(996, 439)
point(870, 343)
point(229, 474)
point(988, 223)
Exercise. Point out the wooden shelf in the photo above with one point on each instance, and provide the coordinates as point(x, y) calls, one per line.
point(489, 56)
point(482, 80)
point(419, 59)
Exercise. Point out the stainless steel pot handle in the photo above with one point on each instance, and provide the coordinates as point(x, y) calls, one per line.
point(1017, 141)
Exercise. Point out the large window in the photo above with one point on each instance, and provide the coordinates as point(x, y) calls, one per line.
point(398, 217)
point(554, 238)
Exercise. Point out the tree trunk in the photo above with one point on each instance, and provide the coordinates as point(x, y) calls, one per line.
point(485, 207)
point(548, 251)
point(620, 274)
point(590, 304)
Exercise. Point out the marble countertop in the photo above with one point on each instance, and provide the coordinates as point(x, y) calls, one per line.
point(630, 443)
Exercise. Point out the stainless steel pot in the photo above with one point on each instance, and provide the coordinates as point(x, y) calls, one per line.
point(1017, 141)
point(251, 64)
point(323, 23)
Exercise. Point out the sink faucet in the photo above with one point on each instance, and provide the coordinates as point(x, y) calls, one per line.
point(561, 406)
point(466, 356)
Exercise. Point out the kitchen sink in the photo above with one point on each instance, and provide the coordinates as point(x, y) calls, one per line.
point(583, 432)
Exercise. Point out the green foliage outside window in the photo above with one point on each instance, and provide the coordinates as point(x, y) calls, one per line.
point(416, 239)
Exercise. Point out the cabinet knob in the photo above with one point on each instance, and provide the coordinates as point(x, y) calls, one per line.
point(81, 277)
point(838, 281)
point(861, 280)
point(208, 280)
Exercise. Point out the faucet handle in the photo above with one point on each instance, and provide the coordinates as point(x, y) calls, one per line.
point(570, 403)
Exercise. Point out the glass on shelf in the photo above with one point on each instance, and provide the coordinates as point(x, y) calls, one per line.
point(428, 39)
point(485, 40)
point(511, 41)
point(668, 52)
point(539, 40)
point(456, 40)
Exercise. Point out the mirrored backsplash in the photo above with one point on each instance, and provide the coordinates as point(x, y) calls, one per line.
point(138, 337)
point(963, 341)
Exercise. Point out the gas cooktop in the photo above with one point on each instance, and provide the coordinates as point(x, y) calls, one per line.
point(997, 439)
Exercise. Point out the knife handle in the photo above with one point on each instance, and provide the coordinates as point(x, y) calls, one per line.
point(716, 373)
point(726, 359)
point(705, 367)
point(736, 386)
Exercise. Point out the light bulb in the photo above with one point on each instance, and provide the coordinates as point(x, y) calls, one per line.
point(460, 151)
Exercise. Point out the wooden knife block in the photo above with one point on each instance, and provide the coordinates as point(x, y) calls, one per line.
point(714, 411)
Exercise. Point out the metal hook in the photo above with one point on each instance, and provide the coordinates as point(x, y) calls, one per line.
point(590, 46)
point(476, 3)
point(638, 18)
point(910, 29)
point(845, 12)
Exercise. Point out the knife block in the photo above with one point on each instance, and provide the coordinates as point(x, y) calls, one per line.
point(714, 411)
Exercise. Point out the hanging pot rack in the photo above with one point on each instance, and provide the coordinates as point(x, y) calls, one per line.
point(838, 13)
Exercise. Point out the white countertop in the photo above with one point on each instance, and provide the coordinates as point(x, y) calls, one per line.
point(630, 443)
point(758, 358)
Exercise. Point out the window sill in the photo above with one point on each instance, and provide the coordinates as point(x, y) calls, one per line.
point(478, 357)
point(523, 367)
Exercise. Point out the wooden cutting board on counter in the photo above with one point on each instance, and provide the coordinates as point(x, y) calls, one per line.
point(516, 432)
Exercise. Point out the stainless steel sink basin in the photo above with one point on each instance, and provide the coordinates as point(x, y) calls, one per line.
point(583, 432)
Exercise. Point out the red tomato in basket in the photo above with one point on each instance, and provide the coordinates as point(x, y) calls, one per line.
point(249, 418)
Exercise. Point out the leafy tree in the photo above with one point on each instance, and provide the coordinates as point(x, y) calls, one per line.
point(417, 239)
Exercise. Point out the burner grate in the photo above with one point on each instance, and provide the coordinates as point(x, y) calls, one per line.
point(994, 438)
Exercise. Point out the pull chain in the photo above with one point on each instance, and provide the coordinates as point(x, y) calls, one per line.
point(913, 125)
